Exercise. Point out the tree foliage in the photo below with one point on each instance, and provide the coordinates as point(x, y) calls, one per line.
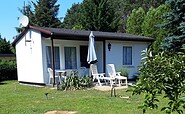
point(92, 15)
point(72, 18)
point(162, 74)
point(45, 14)
point(148, 26)
point(146, 4)
point(25, 10)
point(151, 25)
point(8, 70)
point(176, 22)
point(5, 46)
point(135, 21)
point(98, 15)
point(124, 7)
point(122, 10)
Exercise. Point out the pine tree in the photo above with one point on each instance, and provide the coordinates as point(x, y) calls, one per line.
point(45, 14)
point(176, 18)
point(25, 10)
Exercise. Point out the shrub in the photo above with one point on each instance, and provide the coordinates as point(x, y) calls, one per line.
point(8, 70)
point(162, 75)
point(124, 71)
point(75, 82)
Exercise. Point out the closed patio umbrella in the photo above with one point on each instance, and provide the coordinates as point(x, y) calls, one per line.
point(91, 56)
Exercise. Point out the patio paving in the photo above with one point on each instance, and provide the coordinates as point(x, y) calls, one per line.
point(108, 88)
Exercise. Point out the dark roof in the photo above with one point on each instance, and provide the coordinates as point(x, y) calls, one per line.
point(69, 34)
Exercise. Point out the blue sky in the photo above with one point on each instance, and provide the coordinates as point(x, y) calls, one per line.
point(9, 14)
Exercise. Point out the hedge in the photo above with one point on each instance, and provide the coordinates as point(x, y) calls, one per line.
point(8, 70)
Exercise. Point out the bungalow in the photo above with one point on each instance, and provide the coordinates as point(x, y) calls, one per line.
point(35, 44)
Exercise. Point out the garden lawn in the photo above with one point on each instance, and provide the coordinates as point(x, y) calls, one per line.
point(21, 99)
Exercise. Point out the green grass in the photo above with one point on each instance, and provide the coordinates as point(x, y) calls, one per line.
point(21, 99)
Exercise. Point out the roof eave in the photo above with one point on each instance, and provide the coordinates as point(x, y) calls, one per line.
point(75, 35)
point(26, 29)
point(41, 30)
point(18, 37)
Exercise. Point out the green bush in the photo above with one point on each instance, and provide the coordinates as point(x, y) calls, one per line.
point(75, 82)
point(124, 71)
point(8, 70)
point(163, 75)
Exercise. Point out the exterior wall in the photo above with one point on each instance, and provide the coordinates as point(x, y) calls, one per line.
point(115, 55)
point(99, 53)
point(29, 58)
point(70, 43)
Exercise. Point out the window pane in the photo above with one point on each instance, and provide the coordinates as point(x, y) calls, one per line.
point(48, 56)
point(127, 55)
point(56, 57)
point(70, 58)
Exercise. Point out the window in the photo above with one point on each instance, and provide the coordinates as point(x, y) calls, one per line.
point(127, 55)
point(83, 56)
point(56, 57)
point(70, 57)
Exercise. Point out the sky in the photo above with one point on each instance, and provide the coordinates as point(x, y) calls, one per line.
point(9, 13)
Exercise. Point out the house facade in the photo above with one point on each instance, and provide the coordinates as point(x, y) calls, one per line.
point(36, 46)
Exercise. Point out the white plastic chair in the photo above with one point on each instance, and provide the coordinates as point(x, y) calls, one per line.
point(51, 76)
point(82, 71)
point(112, 73)
point(68, 72)
point(100, 76)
